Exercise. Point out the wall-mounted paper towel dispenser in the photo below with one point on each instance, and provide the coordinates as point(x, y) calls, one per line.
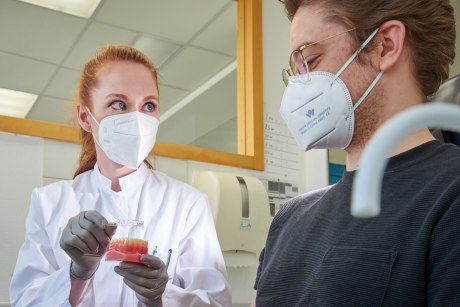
point(240, 208)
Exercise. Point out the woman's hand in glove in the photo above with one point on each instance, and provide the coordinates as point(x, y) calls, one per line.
point(85, 239)
point(148, 280)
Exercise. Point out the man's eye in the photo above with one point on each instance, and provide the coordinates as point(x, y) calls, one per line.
point(118, 105)
point(150, 107)
point(311, 60)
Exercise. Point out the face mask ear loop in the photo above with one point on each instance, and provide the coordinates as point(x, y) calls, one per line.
point(90, 114)
point(94, 139)
point(354, 55)
point(369, 89)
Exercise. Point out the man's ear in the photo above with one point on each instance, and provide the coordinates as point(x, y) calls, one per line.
point(391, 45)
point(83, 118)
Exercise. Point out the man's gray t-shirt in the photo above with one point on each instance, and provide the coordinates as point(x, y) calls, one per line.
point(317, 254)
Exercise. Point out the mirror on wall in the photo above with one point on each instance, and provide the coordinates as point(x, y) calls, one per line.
point(208, 58)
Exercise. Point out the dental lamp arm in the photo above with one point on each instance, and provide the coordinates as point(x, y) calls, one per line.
point(365, 199)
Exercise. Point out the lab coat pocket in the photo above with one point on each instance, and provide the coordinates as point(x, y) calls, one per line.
point(352, 276)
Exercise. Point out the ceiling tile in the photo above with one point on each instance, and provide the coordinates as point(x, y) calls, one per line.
point(192, 67)
point(63, 84)
point(37, 32)
point(52, 110)
point(223, 137)
point(24, 74)
point(30, 55)
point(211, 109)
point(217, 105)
point(96, 36)
point(169, 96)
point(158, 50)
point(220, 35)
point(181, 130)
point(172, 19)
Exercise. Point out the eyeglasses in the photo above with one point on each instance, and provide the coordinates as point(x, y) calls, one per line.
point(298, 62)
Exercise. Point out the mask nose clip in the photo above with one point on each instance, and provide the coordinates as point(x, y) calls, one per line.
point(299, 79)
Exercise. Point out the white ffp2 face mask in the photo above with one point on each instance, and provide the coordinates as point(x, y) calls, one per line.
point(127, 138)
point(318, 109)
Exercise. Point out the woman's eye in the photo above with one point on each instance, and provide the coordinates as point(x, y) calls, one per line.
point(118, 105)
point(150, 107)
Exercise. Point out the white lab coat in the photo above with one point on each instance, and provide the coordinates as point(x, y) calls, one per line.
point(176, 216)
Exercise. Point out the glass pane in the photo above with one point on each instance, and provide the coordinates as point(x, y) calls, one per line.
point(196, 61)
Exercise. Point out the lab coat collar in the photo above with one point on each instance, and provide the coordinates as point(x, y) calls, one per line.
point(129, 182)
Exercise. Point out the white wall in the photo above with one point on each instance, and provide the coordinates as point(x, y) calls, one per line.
point(20, 171)
point(26, 162)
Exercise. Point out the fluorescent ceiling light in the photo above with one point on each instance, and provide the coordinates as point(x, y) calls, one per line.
point(16, 104)
point(82, 8)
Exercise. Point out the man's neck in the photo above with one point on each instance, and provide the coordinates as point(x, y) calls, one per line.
point(401, 92)
point(411, 141)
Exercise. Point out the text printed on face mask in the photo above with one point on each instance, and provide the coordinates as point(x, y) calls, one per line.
point(319, 118)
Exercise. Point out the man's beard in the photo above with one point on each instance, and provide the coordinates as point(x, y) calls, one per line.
point(368, 117)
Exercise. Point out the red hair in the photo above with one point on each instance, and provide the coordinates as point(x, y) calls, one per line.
point(88, 81)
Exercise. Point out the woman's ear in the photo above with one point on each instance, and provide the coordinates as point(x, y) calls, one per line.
point(391, 45)
point(83, 118)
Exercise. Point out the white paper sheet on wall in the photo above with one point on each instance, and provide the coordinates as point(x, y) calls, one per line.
point(282, 163)
point(282, 154)
point(279, 192)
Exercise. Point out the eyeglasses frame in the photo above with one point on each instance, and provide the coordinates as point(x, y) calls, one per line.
point(287, 72)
